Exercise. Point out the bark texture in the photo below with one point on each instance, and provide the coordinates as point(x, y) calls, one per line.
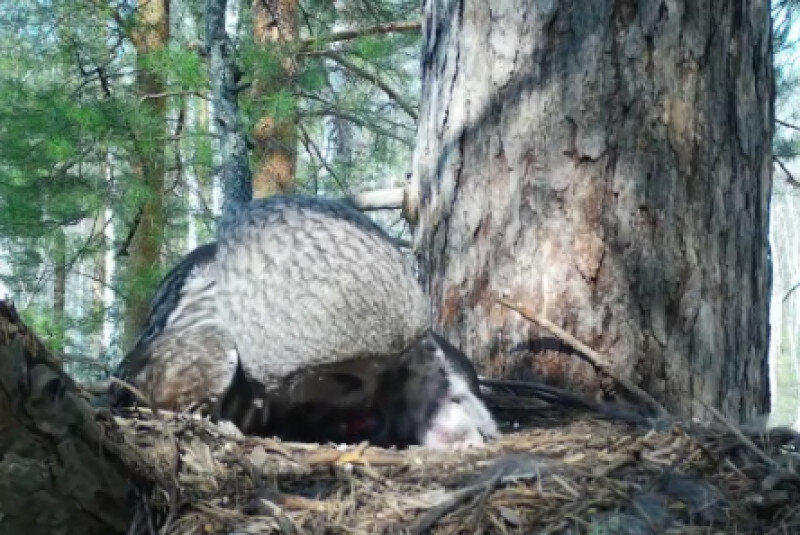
point(150, 35)
point(275, 139)
point(606, 163)
point(56, 475)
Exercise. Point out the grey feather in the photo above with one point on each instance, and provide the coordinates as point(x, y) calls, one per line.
point(304, 282)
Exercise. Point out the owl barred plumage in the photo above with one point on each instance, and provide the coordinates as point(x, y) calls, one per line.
point(308, 281)
point(185, 353)
point(332, 334)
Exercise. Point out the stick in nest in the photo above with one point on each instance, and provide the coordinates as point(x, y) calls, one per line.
point(598, 361)
point(738, 434)
point(507, 468)
point(140, 397)
point(432, 515)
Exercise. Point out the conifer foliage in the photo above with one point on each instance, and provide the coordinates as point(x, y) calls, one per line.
point(107, 151)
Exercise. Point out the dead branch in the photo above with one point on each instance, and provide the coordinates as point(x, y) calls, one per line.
point(787, 124)
point(349, 35)
point(738, 434)
point(789, 176)
point(598, 361)
point(379, 199)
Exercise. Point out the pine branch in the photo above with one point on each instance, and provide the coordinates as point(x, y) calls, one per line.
point(333, 112)
point(349, 35)
point(358, 71)
point(312, 149)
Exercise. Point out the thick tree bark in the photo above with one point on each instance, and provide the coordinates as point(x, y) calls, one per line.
point(608, 164)
point(275, 139)
point(150, 35)
point(56, 473)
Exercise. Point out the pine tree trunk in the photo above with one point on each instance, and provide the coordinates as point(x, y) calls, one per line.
point(608, 164)
point(275, 138)
point(149, 36)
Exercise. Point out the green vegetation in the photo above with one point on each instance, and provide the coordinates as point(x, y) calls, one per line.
point(75, 127)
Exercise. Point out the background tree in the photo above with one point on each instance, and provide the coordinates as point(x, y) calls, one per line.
point(149, 34)
point(275, 31)
point(609, 166)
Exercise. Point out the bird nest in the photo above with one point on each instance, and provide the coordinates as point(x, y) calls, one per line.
point(575, 474)
point(566, 472)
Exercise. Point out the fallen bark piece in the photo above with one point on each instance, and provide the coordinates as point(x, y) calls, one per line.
point(55, 475)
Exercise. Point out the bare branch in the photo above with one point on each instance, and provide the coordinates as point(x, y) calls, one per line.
point(349, 35)
point(788, 294)
point(743, 439)
point(379, 199)
point(333, 112)
point(599, 362)
point(174, 94)
point(789, 176)
point(787, 125)
point(311, 148)
point(123, 250)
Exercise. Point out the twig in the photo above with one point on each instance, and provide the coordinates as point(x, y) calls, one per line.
point(383, 86)
point(738, 434)
point(598, 361)
point(787, 124)
point(123, 250)
point(311, 148)
point(432, 515)
point(135, 391)
point(349, 35)
point(790, 292)
point(164, 94)
point(789, 176)
point(358, 122)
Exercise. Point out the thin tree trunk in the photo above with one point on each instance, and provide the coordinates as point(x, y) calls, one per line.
point(149, 36)
point(100, 276)
point(275, 138)
point(59, 287)
point(234, 169)
point(608, 164)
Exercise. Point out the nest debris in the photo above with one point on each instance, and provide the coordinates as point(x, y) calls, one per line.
point(568, 471)
point(577, 475)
